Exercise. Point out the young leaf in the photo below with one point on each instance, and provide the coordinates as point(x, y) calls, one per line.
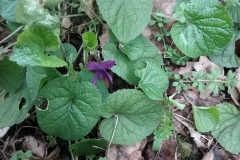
point(206, 118)
point(12, 75)
point(153, 81)
point(134, 115)
point(88, 147)
point(32, 44)
point(89, 40)
point(73, 108)
point(227, 130)
point(209, 27)
point(126, 19)
point(69, 52)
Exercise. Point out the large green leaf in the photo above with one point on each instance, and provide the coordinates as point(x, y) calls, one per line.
point(130, 116)
point(7, 8)
point(209, 27)
point(86, 75)
point(234, 12)
point(206, 118)
point(227, 130)
point(73, 108)
point(154, 81)
point(141, 50)
point(126, 19)
point(30, 12)
point(131, 56)
point(12, 75)
point(140, 47)
point(14, 106)
point(88, 147)
point(124, 66)
point(32, 44)
point(226, 56)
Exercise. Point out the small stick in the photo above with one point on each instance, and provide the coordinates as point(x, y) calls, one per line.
point(10, 35)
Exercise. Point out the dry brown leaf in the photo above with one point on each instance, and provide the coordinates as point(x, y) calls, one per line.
point(66, 23)
point(119, 152)
point(90, 10)
point(136, 156)
point(148, 33)
point(104, 38)
point(187, 69)
point(197, 137)
point(168, 149)
point(236, 91)
point(235, 96)
point(165, 6)
point(213, 154)
point(38, 147)
point(205, 64)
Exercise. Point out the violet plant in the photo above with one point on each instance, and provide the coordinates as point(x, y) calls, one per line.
point(77, 101)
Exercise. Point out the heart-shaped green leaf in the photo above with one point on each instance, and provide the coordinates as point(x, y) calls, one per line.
point(234, 11)
point(154, 81)
point(206, 118)
point(130, 116)
point(73, 108)
point(89, 40)
point(126, 19)
point(209, 27)
point(226, 56)
point(32, 44)
point(124, 67)
point(227, 130)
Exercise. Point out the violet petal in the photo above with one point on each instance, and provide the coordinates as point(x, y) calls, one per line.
point(101, 74)
point(94, 81)
point(93, 66)
point(108, 76)
point(107, 64)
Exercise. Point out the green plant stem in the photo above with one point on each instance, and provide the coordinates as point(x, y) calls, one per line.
point(73, 15)
point(85, 57)
point(12, 34)
point(165, 16)
point(206, 80)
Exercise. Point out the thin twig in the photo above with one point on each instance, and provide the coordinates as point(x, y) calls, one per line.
point(191, 129)
point(186, 97)
point(10, 35)
point(165, 16)
point(113, 133)
point(10, 45)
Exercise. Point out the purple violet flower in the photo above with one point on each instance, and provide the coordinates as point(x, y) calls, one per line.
point(100, 70)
